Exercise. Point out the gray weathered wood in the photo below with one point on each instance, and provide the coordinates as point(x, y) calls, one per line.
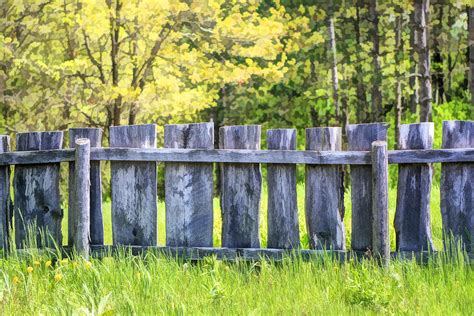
point(324, 200)
point(133, 184)
point(5, 197)
point(241, 186)
point(283, 227)
point(97, 225)
point(380, 226)
point(36, 193)
point(241, 156)
point(360, 137)
point(457, 187)
point(412, 217)
point(189, 188)
point(81, 198)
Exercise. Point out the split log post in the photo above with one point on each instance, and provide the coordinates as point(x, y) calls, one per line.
point(324, 201)
point(37, 207)
point(361, 137)
point(283, 227)
point(189, 188)
point(412, 216)
point(133, 184)
point(457, 188)
point(5, 198)
point(241, 188)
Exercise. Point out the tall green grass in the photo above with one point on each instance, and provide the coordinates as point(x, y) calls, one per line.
point(40, 283)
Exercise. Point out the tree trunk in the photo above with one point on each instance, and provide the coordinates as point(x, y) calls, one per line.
point(471, 54)
point(422, 48)
point(438, 75)
point(377, 75)
point(398, 60)
point(361, 101)
point(332, 45)
point(413, 65)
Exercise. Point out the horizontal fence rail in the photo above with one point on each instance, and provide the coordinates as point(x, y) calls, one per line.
point(240, 156)
point(189, 155)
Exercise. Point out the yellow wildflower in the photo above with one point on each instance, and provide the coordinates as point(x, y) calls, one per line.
point(138, 275)
point(74, 264)
point(64, 261)
point(88, 264)
point(58, 277)
point(29, 269)
point(36, 263)
point(48, 263)
point(16, 280)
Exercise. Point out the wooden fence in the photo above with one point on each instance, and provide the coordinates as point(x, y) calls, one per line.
point(189, 155)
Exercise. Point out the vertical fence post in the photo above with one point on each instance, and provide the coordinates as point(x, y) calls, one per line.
point(241, 188)
point(412, 217)
point(380, 228)
point(82, 186)
point(324, 201)
point(360, 137)
point(133, 184)
point(36, 193)
point(283, 227)
point(189, 188)
point(97, 226)
point(5, 198)
point(457, 187)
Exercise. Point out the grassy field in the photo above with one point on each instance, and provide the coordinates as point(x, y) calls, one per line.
point(154, 285)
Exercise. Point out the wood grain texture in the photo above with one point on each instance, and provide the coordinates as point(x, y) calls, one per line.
point(189, 188)
point(361, 137)
point(37, 207)
point(133, 184)
point(380, 226)
point(412, 217)
point(6, 206)
point(324, 187)
point(96, 219)
point(241, 187)
point(283, 227)
point(457, 187)
point(81, 213)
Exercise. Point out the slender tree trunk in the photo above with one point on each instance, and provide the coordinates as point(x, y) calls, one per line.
point(377, 111)
point(332, 45)
point(438, 75)
point(398, 60)
point(413, 65)
point(114, 38)
point(361, 101)
point(471, 54)
point(422, 49)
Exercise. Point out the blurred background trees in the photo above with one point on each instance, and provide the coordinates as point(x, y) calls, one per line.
point(284, 63)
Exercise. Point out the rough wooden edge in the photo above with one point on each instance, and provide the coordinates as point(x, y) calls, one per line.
point(81, 210)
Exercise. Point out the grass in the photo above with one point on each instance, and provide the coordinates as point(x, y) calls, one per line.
point(153, 284)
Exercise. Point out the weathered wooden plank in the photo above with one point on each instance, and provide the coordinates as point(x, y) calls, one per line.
point(412, 217)
point(189, 188)
point(134, 211)
point(241, 186)
point(283, 227)
point(81, 198)
point(457, 188)
point(241, 156)
point(96, 220)
point(324, 200)
point(6, 220)
point(360, 137)
point(37, 199)
point(380, 226)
